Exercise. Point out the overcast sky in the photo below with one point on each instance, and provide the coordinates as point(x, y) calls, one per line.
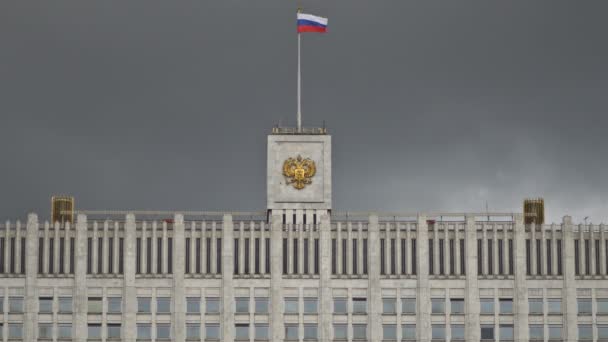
point(432, 105)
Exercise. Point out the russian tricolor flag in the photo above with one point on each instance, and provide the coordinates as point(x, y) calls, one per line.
point(311, 23)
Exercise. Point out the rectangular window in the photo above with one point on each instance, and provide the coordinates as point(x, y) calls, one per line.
point(61, 255)
point(334, 258)
point(382, 257)
point(291, 332)
point(437, 305)
point(242, 305)
point(536, 332)
point(359, 331)
point(587, 257)
point(193, 305)
point(45, 304)
point(208, 256)
point(311, 305)
point(15, 304)
point(64, 331)
point(457, 331)
point(316, 256)
point(359, 306)
point(535, 306)
point(187, 255)
point(144, 304)
point(344, 256)
point(585, 332)
point(94, 305)
point(549, 258)
point(414, 256)
point(584, 306)
point(65, 305)
point(462, 258)
point(431, 258)
point(511, 259)
point(261, 305)
point(403, 256)
point(365, 256)
point(506, 331)
point(261, 332)
point(170, 255)
point(538, 257)
point(236, 256)
point(163, 331)
point(597, 256)
point(246, 256)
point(144, 331)
point(500, 257)
point(486, 306)
point(577, 256)
point(114, 305)
point(257, 255)
point(41, 255)
point(121, 248)
point(340, 305)
point(457, 306)
point(487, 332)
point(291, 305)
point(197, 255)
point(408, 332)
point(340, 332)
point(163, 305)
point(311, 332)
point(490, 257)
point(45, 330)
point(241, 331)
point(1, 255)
point(389, 306)
point(441, 258)
point(452, 260)
point(212, 305)
point(438, 331)
point(99, 255)
point(110, 255)
point(389, 332)
point(159, 255)
point(193, 331)
point(295, 256)
point(554, 306)
point(218, 256)
point(408, 306)
point(355, 257)
point(114, 330)
point(212, 331)
point(393, 254)
point(94, 331)
point(528, 258)
point(479, 257)
point(559, 256)
point(285, 257)
point(15, 331)
point(138, 256)
point(555, 332)
point(506, 306)
point(149, 255)
point(12, 256)
point(602, 331)
point(602, 306)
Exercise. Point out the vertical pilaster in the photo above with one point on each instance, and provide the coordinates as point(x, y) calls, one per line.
point(325, 276)
point(179, 289)
point(276, 276)
point(520, 300)
point(374, 288)
point(79, 318)
point(129, 289)
point(227, 316)
point(569, 290)
point(472, 328)
point(31, 274)
point(423, 323)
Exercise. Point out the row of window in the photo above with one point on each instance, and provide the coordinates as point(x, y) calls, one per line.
point(586, 256)
point(160, 252)
point(539, 256)
point(49, 250)
point(196, 266)
point(5, 243)
point(408, 255)
point(308, 246)
point(443, 269)
point(245, 268)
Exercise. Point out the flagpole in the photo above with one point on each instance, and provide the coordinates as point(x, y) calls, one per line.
point(299, 88)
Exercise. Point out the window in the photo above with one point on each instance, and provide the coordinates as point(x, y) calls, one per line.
point(143, 304)
point(144, 331)
point(535, 306)
point(408, 332)
point(94, 331)
point(193, 305)
point(584, 306)
point(528, 258)
point(15, 331)
point(291, 332)
point(137, 257)
point(457, 332)
point(94, 305)
point(212, 331)
point(437, 305)
point(241, 331)
point(212, 305)
point(45, 330)
point(479, 257)
point(456, 306)
point(487, 331)
point(506, 306)
point(602, 332)
point(334, 259)
point(64, 330)
point(438, 332)
point(486, 306)
point(559, 256)
point(311, 305)
point(462, 257)
point(359, 305)
point(585, 332)
point(65, 304)
point(511, 261)
point(45, 304)
point(602, 306)
point(389, 332)
point(339, 305)
point(506, 331)
point(163, 331)
point(114, 330)
point(359, 331)
point(548, 259)
point(291, 305)
point(311, 332)
point(577, 258)
point(388, 306)
point(554, 306)
point(340, 332)
point(193, 331)
point(261, 331)
point(236, 256)
point(114, 304)
point(555, 332)
point(261, 305)
point(382, 257)
point(500, 256)
point(431, 255)
point(408, 306)
point(163, 305)
point(490, 257)
point(537, 332)
point(15, 305)
point(242, 305)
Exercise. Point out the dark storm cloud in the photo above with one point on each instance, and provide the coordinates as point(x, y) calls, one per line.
point(432, 105)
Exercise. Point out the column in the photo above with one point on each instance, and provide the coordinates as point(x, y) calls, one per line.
point(276, 277)
point(457, 270)
point(472, 328)
point(325, 300)
point(31, 273)
point(179, 289)
point(520, 298)
point(592, 249)
point(423, 323)
point(569, 289)
point(553, 249)
point(227, 316)
point(602, 249)
point(374, 288)
point(129, 289)
point(79, 318)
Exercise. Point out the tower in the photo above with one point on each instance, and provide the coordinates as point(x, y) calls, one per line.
point(299, 174)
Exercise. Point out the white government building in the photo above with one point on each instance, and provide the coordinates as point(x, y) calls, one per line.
point(301, 272)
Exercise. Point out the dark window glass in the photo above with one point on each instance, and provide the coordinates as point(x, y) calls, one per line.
point(61, 255)
point(355, 256)
point(479, 257)
point(538, 257)
point(170, 255)
point(511, 256)
point(1, 255)
point(89, 255)
point(587, 257)
point(528, 258)
point(285, 268)
point(452, 260)
point(197, 256)
point(121, 255)
point(316, 255)
point(344, 256)
point(22, 255)
point(41, 256)
point(334, 261)
point(431, 257)
point(218, 256)
point(413, 256)
point(314, 218)
point(549, 258)
point(393, 254)
point(365, 256)
point(403, 257)
point(236, 256)
point(257, 255)
point(382, 258)
point(187, 255)
point(13, 255)
point(267, 249)
point(577, 256)
point(149, 255)
point(72, 254)
point(441, 257)
point(295, 256)
point(138, 256)
point(110, 255)
point(500, 257)
point(490, 257)
point(208, 257)
point(305, 255)
point(159, 255)
point(246, 261)
point(462, 258)
point(284, 219)
point(99, 255)
point(597, 256)
point(559, 256)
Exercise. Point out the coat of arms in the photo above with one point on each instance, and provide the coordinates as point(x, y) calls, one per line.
point(299, 171)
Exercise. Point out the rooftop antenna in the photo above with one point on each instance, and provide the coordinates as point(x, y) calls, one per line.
point(586, 217)
point(487, 212)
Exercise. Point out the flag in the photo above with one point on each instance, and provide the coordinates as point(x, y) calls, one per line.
point(311, 23)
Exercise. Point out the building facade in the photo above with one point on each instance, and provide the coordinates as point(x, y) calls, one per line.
point(301, 272)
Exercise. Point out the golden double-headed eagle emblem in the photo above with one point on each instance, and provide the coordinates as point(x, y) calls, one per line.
point(299, 171)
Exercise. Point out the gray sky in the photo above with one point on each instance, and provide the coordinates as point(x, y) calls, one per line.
point(432, 105)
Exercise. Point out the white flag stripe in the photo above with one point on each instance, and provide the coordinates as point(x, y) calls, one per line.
point(320, 20)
